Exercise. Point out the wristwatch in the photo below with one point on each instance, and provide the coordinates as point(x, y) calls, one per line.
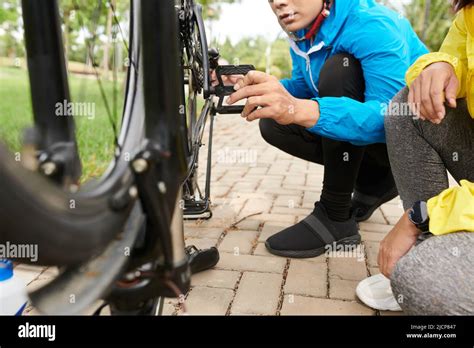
point(418, 215)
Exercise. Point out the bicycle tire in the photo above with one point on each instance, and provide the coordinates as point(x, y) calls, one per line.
point(67, 236)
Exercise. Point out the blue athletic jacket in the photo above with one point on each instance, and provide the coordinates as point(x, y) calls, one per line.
point(385, 44)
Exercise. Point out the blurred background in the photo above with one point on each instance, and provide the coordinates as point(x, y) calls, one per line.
point(245, 31)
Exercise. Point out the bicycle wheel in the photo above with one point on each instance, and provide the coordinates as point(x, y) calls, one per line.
point(90, 238)
point(65, 235)
point(196, 92)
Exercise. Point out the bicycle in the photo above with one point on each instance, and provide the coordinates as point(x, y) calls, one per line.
point(123, 241)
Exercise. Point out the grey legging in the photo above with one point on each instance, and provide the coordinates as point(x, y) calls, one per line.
point(437, 276)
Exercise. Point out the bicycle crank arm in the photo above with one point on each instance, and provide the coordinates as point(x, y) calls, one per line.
point(222, 91)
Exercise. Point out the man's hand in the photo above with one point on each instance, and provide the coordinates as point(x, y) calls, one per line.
point(227, 80)
point(428, 93)
point(267, 98)
point(397, 244)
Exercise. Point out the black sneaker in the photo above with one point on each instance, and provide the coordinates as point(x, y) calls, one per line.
point(314, 236)
point(365, 205)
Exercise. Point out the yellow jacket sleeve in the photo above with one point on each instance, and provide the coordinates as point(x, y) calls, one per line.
point(453, 51)
point(453, 210)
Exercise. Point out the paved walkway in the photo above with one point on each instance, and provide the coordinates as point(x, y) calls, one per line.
point(257, 191)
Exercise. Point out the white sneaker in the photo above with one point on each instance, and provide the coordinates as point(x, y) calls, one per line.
point(376, 293)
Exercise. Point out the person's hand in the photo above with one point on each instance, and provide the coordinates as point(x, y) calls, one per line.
point(428, 93)
point(397, 244)
point(227, 80)
point(267, 98)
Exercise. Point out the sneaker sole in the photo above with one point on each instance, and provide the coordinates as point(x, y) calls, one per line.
point(308, 254)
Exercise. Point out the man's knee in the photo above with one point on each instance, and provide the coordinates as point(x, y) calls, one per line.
point(342, 76)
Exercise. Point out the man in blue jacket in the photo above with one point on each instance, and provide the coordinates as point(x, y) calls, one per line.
point(349, 60)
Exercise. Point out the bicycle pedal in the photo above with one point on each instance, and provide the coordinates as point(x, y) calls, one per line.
point(203, 216)
point(223, 91)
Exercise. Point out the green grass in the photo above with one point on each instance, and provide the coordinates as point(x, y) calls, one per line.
point(94, 136)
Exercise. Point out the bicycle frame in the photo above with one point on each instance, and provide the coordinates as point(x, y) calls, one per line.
point(158, 159)
point(156, 172)
point(49, 85)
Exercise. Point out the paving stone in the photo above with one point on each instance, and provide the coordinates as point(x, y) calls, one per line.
point(220, 190)
point(392, 210)
point(377, 218)
point(310, 197)
point(216, 279)
point(287, 201)
point(287, 191)
point(306, 278)
point(197, 232)
point(294, 179)
point(347, 268)
point(239, 242)
point(28, 273)
point(249, 225)
point(290, 219)
point(372, 249)
point(372, 236)
point(256, 205)
point(271, 228)
point(251, 263)
point(371, 227)
point(201, 243)
point(340, 289)
point(258, 293)
point(393, 220)
point(374, 270)
point(296, 211)
point(208, 301)
point(261, 250)
point(299, 305)
point(38, 283)
point(269, 184)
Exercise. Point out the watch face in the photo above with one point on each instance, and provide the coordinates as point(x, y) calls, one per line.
point(419, 214)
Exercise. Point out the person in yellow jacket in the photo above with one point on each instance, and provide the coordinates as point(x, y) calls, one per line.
point(429, 255)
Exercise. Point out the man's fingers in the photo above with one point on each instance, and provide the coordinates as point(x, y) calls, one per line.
point(248, 91)
point(253, 103)
point(234, 79)
point(252, 78)
point(452, 91)
point(265, 112)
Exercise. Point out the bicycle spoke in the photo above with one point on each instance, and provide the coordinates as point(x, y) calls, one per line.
point(122, 34)
point(90, 52)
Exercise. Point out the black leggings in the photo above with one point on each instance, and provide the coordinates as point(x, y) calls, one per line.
point(346, 166)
